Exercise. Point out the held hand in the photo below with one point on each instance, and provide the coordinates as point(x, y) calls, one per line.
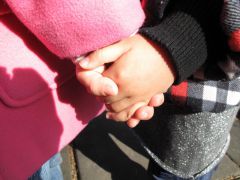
point(141, 71)
point(94, 78)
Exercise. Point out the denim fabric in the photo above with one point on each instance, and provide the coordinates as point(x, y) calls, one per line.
point(169, 176)
point(51, 170)
point(161, 174)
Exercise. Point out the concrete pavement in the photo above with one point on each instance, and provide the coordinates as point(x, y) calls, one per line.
point(106, 150)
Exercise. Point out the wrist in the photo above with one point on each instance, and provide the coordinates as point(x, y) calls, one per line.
point(165, 57)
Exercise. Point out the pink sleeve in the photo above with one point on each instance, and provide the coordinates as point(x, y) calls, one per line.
point(75, 27)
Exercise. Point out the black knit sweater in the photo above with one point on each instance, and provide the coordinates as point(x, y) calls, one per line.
point(188, 30)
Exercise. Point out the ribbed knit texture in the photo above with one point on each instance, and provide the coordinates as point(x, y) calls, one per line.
point(188, 37)
point(215, 86)
point(183, 40)
point(231, 20)
point(231, 23)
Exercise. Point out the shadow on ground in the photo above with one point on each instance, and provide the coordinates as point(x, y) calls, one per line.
point(97, 143)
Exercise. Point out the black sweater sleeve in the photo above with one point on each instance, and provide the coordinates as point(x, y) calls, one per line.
point(188, 30)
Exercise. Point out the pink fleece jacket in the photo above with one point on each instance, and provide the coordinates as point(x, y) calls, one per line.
point(74, 27)
point(42, 105)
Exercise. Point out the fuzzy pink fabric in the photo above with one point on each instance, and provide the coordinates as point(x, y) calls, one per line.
point(42, 105)
point(74, 27)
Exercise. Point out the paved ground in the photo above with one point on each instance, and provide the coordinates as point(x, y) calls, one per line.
point(108, 151)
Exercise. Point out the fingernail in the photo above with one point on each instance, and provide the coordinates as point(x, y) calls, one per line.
point(107, 116)
point(84, 62)
point(111, 90)
point(144, 114)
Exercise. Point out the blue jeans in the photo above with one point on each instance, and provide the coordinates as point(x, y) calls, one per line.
point(161, 174)
point(51, 170)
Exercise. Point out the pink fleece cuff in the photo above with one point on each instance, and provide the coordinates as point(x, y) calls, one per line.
point(72, 28)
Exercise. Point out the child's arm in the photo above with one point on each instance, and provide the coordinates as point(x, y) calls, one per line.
point(182, 34)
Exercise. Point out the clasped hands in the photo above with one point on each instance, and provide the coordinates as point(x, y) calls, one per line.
point(129, 76)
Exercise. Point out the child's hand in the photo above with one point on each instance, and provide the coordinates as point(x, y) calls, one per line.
point(141, 71)
point(145, 112)
point(99, 85)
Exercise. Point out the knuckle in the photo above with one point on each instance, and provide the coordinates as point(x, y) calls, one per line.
point(121, 76)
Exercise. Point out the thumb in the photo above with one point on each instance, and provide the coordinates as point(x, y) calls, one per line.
point(105, 55)
point(95, 83)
